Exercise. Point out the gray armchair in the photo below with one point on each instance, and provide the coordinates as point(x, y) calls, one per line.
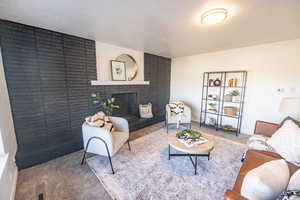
point(102, 142)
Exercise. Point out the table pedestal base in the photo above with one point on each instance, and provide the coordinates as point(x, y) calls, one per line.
point(194, 162)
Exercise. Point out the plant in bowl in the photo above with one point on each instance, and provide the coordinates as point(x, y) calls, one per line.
point(235, 96)
point(212, 107)
point(190, 137)
point(188, 134)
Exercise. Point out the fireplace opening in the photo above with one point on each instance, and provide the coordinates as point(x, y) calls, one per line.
point(128, 105)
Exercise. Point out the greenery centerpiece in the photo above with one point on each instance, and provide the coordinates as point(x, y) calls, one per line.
point(188, 134)
point(190, 137)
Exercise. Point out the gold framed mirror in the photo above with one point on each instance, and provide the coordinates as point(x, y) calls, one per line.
point(130, 64)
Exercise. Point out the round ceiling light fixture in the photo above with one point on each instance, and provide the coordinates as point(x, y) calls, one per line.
point(214, 16)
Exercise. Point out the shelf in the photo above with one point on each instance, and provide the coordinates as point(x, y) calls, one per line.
point(219, 114)
point(223, 86)
point(217, 127)
point(232, 116)
point(224, 101)
point(220, 102)
point(234, 87)
point(95, 82)
point(228, 72)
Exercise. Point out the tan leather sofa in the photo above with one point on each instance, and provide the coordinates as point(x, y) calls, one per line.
point(255, 158)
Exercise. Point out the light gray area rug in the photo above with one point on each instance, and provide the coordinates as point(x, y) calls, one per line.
point(146, 173)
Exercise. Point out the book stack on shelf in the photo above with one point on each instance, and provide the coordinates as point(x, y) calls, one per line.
point(223, 95)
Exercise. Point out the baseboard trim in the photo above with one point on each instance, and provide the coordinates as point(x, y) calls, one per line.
point(15, 180)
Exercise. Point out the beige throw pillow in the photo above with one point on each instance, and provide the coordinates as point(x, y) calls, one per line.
point(146, 110)
point(286, 142)
point(100, 120)
point(267, 181)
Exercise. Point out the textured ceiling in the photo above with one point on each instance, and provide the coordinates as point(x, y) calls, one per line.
point(164, 27)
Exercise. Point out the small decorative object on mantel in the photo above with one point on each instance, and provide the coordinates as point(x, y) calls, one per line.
point(118, 70)
point(217, 82)
point(131, 65)
point(190, 138)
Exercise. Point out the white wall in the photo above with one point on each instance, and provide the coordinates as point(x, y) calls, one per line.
point(106, 52)
point(270, 67)
point(8, 145)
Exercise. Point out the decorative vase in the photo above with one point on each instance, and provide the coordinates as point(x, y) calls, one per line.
point(210, 82)
point(217, 82)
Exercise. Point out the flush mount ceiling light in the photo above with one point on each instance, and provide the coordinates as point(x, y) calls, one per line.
point(214, 16)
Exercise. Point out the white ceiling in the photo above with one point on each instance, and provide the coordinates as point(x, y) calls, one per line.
point(164, 27)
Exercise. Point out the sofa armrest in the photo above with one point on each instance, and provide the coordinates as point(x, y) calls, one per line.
point(231, 195)
point(265, 128)
point(120, 124)
point(253, 159)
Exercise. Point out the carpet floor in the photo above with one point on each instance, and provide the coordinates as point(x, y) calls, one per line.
point(146, 173)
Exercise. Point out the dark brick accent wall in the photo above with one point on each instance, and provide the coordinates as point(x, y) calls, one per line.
point(48, 76)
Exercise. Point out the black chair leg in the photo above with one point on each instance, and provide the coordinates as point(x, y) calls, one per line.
point(167, 128)
point(129, 147)
point(83, 158)
point(111, 166)
point(108, 154)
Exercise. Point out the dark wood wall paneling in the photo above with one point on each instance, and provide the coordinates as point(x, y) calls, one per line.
point(48, 76)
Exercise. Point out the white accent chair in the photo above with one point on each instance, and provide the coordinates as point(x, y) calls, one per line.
point(103, 142)
point(184, 118)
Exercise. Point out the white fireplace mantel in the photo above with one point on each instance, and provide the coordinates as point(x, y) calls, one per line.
point(95, 82)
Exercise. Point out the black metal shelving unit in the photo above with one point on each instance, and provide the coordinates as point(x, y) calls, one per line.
point(220, 91)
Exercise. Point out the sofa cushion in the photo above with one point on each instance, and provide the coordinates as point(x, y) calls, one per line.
point(286, 142)
point(264, 182)
point(294, 183)
point(118, 139)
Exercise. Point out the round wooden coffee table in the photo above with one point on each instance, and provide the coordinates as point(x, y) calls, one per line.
point(198, 150)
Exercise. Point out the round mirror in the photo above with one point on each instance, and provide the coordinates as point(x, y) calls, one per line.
point(130, 64)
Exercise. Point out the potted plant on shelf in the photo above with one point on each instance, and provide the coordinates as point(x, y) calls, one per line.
point(212, 107)
point(235, 96)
